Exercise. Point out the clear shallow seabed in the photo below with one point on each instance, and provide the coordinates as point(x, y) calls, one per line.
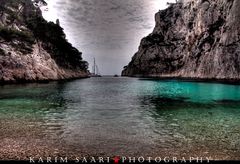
point(120, 116)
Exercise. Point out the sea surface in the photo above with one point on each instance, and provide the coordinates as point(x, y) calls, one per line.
point(120, 116)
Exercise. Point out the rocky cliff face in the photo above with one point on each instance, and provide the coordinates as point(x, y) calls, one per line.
point(192, 39)
point(32, 49)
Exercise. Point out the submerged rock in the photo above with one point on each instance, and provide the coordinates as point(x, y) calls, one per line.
point(197, 39)
point(227, 102)
point(32, 49)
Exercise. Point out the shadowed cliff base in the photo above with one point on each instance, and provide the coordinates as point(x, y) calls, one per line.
point(187, 79)
point(65, 79)
point(192, 39)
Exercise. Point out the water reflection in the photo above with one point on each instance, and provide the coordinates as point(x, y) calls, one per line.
point(120, 116)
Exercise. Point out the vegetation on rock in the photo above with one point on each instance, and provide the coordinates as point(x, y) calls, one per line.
point(25, 24)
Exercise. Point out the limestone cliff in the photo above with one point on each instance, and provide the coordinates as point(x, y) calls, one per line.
point(32, 49)
point(197, 39)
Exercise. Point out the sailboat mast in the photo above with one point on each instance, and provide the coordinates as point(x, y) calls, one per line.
point(97, 69)
point(94, 66)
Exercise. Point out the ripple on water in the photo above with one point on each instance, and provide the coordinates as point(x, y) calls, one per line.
point(110, 116)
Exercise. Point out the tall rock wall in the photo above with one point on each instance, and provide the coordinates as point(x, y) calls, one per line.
point(32, 49)
point(197, 39)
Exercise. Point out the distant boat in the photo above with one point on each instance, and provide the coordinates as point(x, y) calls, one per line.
point(95, 72)
point(115, 76)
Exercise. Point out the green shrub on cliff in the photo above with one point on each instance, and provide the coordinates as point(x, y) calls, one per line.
point(54, 40)
point(2, 52)
point(10, 34)
point(24, 39)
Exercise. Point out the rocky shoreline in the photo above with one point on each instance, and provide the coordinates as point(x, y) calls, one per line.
point(24, 81)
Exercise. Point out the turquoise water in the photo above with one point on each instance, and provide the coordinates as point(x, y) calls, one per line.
point(120, 116)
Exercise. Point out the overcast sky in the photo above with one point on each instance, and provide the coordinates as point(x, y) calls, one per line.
point(109, 30)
